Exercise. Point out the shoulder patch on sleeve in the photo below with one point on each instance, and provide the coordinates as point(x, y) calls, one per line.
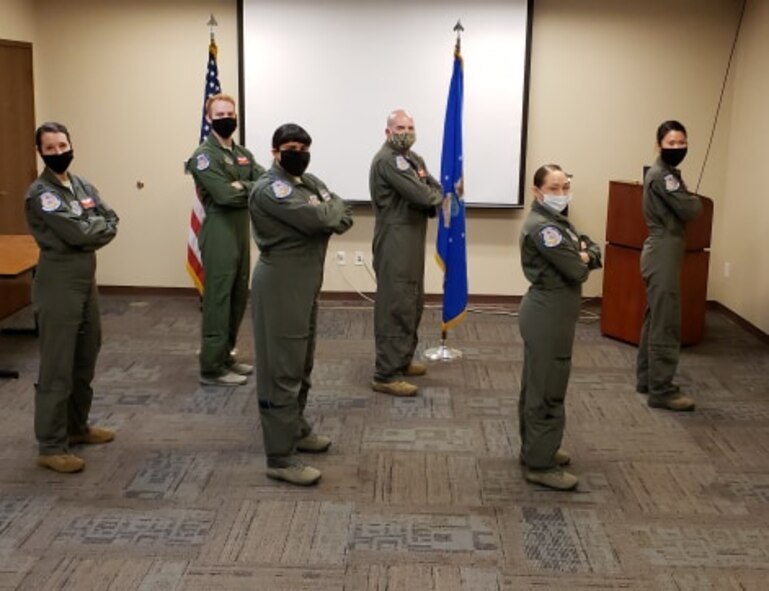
point(551, 236)
point(202, 162)
point(671, 182)
point(281, 189)
point(402, 163)
point(49, 201)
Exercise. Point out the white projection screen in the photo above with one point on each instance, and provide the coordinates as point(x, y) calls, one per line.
point(338, 67)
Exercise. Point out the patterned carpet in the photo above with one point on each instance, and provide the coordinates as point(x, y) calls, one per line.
point(417, 494)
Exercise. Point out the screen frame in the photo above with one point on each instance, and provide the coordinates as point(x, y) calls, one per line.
point(524, 109)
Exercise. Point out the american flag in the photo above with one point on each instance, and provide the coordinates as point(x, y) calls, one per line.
point(194, 260)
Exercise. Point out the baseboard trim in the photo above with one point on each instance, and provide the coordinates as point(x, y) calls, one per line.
point(138, 291)
point(350, 297)
point(739, 321)
point(326, 296)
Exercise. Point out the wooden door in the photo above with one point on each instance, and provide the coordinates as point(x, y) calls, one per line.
point(17, 129)
point(17, 156)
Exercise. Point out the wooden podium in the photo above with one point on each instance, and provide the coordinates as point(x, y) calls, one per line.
point(624, 293)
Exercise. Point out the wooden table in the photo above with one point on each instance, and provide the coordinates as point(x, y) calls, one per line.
point(18, 256)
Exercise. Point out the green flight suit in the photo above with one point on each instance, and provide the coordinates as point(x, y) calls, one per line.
point(293, 220)
point(668, 206)
point(403, 195)
point(550, 258)
point(69, 223)
point(224, 246)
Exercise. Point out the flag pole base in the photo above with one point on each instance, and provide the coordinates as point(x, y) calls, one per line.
point(442, 353)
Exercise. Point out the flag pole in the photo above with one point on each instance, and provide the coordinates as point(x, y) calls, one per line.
point(444, 352)
point(211, 25)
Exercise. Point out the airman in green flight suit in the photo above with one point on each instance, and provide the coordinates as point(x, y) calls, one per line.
point(557, 261)
point(668, 206)
point(403, 195)
point(69, 221)
point(293, 215)
point(224, 174)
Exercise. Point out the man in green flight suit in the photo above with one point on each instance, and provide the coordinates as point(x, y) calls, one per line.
point(403, 195)
point(224, 174)
point(293, 215)
point(668, 206)
point(69, 222)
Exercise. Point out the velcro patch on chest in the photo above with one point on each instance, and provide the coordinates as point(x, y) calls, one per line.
point(314, 200)
point(75, 207)
point(324, 195)
point(243, 161)
point(281, 189)
point(401, 163)
point(672, 183)
point(551, 236)
point(49, 201)
point(88, 203)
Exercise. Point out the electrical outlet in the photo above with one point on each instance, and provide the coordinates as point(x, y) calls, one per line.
point(341, 258)
point(359, 258)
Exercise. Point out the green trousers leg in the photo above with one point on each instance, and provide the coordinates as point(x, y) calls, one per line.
point(70, 338)
point(87, 350)
point(659, 347)
point(225, 257)
point(304, 427)
point(284, 340)
point(547, 328)
point(397, 313)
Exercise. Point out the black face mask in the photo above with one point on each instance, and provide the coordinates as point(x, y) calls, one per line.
point(225, 126)
point(294, 162)
point(59, 163)
point(673, 156)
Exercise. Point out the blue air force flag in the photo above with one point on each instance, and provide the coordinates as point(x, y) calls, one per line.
point(451, 243)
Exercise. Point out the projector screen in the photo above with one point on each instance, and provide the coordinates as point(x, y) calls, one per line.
point(339, 67)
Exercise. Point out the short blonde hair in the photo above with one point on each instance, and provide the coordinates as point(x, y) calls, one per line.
point(218, 97)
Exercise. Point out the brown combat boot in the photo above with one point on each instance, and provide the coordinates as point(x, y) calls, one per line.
point(64, 463)
point(556, 478)
point(415, 369)
point(676, 402)
point(395, 388)
point(93, 436)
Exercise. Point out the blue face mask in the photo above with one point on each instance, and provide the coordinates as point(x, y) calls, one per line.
point(556, 202)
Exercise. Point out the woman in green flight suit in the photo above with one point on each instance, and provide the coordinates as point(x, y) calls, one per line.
point(556, 260)
point(69, 222)
point(668, 206)
point(293, 215)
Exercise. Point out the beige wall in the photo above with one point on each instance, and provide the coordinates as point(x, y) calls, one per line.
point(18, 20)
point(126, 76)
point(742, 214)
